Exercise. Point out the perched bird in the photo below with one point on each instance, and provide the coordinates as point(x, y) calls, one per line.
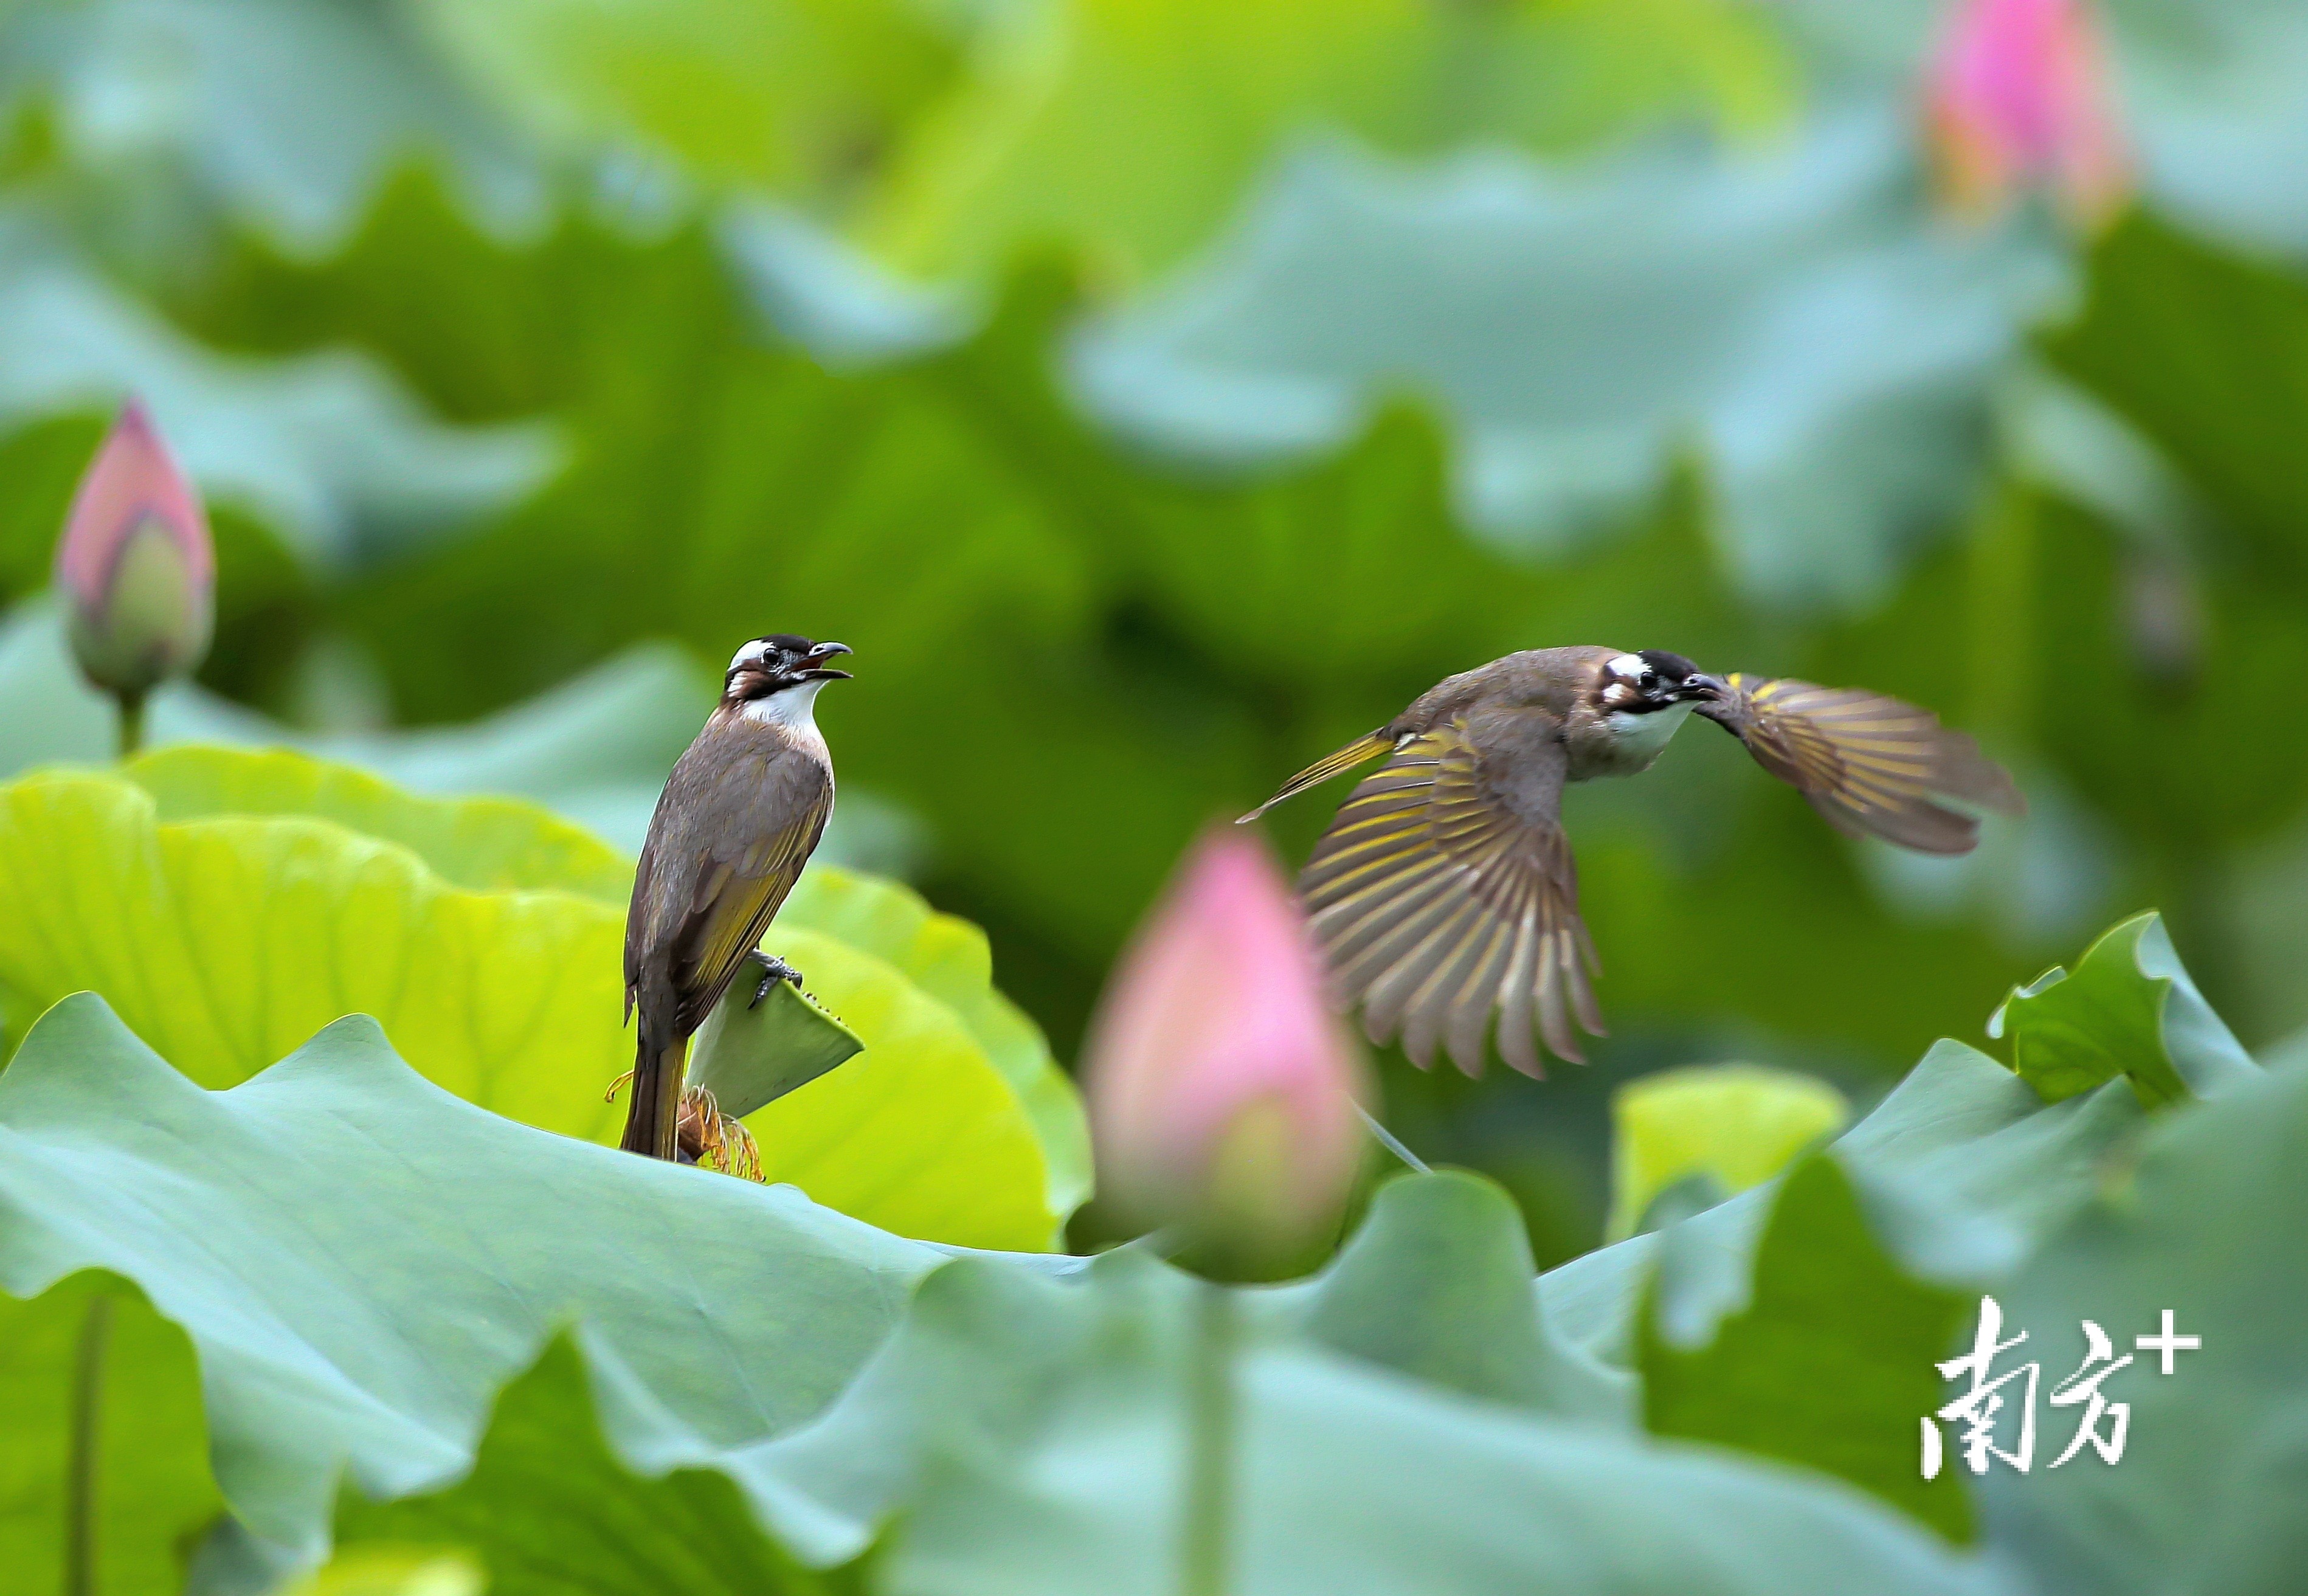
point(1444, 891)
point(738, 818)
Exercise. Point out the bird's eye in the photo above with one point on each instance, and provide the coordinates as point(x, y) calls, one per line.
point(1649, 680)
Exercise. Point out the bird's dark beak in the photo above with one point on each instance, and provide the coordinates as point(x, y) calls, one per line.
point(1702, 688)
point(826, 650)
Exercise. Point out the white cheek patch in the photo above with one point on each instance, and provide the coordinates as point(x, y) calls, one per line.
point(1643, 736)
point(1619, 693)
point(1630, 665)
point(795, 708)
point(751, 654)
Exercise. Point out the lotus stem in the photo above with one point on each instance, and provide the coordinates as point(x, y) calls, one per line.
point(1393, 1144)
point(132, 724)
point(1206, 1540)
point(83, 1459)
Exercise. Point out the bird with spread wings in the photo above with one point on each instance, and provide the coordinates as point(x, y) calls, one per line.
point(1445, 894)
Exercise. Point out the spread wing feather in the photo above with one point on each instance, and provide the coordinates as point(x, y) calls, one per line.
point(1871, 765)
point(1436, 906)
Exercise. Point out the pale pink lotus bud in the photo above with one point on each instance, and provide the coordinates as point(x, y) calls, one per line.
point(137, 566)
point(1222, 1088)
point(2019, 97)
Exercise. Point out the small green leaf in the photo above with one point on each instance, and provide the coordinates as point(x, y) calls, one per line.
point(1736, 1125)
point(1830, 1364)
point(2129, 1009)
point(748, 1054)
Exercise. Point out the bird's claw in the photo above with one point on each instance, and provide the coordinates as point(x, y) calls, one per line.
point(774, 970)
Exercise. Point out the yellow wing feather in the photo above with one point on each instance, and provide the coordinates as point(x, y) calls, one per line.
point(1361, 751)
point(1871, 765)
point(1437, 909)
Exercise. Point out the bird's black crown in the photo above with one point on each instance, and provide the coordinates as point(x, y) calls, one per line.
point(1674, 666)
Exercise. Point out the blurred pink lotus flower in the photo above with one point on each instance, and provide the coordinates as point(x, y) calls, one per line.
point(136, 564)
point(2019, 95)
point(1221, 1086)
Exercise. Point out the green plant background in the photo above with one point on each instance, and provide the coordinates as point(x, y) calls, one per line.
point(1096, 371)
point(1155, 396)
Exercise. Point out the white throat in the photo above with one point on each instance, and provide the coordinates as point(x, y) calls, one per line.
point(1642, 737)
point(793, 710)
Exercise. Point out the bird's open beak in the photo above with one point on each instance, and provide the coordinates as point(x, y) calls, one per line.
point(826, 650)
point(1703, 687)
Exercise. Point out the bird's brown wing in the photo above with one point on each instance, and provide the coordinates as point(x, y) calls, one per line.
point(1872, 766)
point(1437, 904)
point(740, 816)
point(733, 902)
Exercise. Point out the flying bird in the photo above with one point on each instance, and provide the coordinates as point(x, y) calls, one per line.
point(740, 817)
point(1445, 892)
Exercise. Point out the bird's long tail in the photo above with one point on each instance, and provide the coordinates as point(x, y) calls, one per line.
point(1361, 751)
point(653, 1112)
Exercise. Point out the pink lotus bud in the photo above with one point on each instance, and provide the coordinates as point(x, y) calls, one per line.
point(136, 564)
point(2019, 96)
point(1221, 1087)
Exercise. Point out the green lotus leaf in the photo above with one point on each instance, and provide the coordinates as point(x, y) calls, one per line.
point(2128, 1008)
point(948, 957)
point(148, 1465)
point(2199, 1236)
point(894, 1136)
point(1575, 397)
point(776, 94)
point(491, 843)
point(1830, 1363)
point(395, 1570)
point(1025, 1435)
point(360, 1262)
point(1134, 129)
point(1963, 1167)
point(1736, 1125)
point(331, 452)
point(223, 942)
point(487, 844)
point(1437, 1283)
point(548, 1497)
point(762, 1338)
